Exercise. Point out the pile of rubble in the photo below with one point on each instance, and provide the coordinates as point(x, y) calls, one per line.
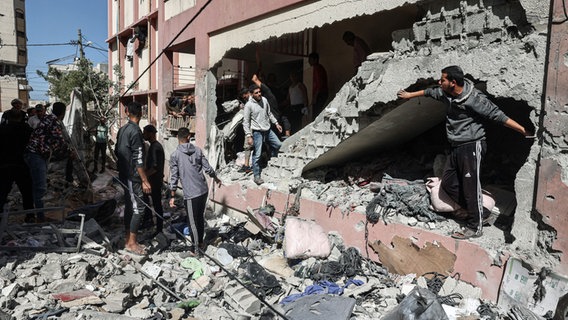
point(243, 273)
point(258, 265)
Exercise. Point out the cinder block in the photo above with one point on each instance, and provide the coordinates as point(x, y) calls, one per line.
point(241, 299)
point(419, 31)
point(475, 23)
point(436, 29)
point(455, 26)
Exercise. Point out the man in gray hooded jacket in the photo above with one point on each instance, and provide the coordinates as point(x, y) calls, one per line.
point(467, 108)
point(187, 163)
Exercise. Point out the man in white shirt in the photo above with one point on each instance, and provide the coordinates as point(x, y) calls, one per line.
point(34, 120)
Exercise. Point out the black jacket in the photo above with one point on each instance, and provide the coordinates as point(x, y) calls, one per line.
point(130, 151)
point(13, 140)
point(466, 113)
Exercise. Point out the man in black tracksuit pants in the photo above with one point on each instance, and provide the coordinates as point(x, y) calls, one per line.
point(154, 167)
point(467, 107)
point(130, 153)
point(187, 163)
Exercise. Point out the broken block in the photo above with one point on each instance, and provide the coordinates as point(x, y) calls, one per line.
point(241, 299)
point(11, 290)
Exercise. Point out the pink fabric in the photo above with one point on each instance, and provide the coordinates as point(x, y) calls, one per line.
point(303, 238)
point(441, 201)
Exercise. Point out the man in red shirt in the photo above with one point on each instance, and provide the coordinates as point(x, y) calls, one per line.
point(319, 86)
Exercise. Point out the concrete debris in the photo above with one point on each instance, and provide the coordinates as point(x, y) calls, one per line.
point(101, 282)
point(248, 268)
point(72, 284)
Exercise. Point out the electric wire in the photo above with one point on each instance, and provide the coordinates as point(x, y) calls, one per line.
point(219, 264)
point(167, 46)
point(38, 44)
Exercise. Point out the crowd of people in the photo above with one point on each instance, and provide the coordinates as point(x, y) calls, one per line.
point(141, 174)
point(33, 138)
point(36, 137)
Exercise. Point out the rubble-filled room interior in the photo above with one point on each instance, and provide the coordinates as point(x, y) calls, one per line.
point(343, 227)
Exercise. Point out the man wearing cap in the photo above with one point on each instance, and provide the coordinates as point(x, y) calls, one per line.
point(154, 167)
point(17, 106)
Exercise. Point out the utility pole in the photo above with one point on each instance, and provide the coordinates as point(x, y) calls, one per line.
point(80, 43)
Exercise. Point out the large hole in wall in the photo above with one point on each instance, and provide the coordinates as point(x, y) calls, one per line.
point(424, 155)
point(275, 58)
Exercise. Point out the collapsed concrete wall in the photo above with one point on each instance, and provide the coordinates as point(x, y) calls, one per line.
point(501, 43)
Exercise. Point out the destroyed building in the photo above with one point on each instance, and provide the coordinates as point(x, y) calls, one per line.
point(366, 137)
point(503, 46)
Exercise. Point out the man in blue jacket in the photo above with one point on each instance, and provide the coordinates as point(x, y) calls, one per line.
point(187, 163)
point(467, 108)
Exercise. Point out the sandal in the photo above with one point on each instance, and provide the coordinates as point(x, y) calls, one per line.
point(466, 233)
point(137, 252)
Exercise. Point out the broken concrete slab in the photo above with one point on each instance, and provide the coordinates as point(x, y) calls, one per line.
point(52, 270)
point(151, 269)
point(123, 282)
point(405, 257)
point(115, 302)
point(518, 287)
point(92, 314)
point(11, 290)
point(397, 126)
point(466, 290)
point(138, 313)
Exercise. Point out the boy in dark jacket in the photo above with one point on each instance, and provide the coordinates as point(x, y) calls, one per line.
point(187, 163)
point(467, 108)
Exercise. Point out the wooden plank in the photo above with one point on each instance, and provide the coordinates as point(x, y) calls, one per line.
point(405, 257)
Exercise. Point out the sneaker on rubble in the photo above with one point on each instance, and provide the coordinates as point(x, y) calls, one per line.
point(258, 180)
point(245, 169)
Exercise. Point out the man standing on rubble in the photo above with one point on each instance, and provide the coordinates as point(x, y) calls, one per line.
point(187, 163)
point(256, 124)
point(47, 140)
point(273, 102)
point(130, 153)
point(14, 135)
point(154, 167)
point(467, 108)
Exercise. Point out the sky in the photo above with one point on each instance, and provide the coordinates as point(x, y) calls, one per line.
point(57, 21)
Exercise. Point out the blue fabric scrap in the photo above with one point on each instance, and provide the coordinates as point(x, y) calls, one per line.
point(322, 287)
